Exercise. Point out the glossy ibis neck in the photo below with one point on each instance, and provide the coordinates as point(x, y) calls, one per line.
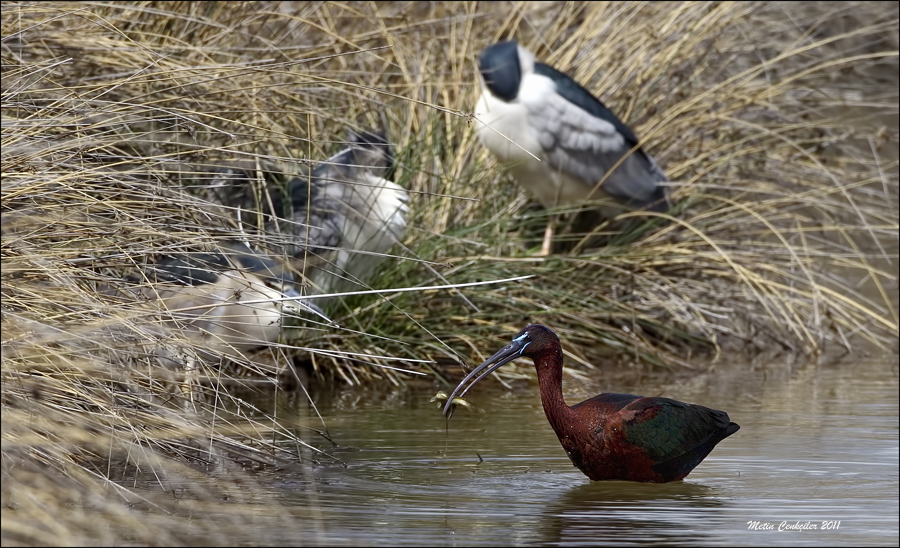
point(549, 371)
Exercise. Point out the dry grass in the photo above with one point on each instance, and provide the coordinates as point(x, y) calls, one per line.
point(783, 212)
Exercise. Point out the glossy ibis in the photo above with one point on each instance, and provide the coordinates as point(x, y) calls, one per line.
point(558, 140)
point(612, 436)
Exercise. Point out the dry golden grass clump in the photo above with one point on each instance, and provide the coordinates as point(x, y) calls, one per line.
point(784, 173)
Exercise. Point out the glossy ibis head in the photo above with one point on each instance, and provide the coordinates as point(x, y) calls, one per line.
point(534, 340)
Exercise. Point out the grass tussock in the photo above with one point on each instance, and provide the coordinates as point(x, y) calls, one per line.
point(784, 175)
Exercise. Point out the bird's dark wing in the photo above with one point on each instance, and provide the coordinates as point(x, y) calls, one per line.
point(206, 268)
point(674, 433)
point(314, 218)
point(296, 215)
point(189, 268)
point(577, 95)
point(585, 140)
point(250, 187)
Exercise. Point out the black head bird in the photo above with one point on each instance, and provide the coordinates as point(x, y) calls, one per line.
point(338, 221)
point(557, 139)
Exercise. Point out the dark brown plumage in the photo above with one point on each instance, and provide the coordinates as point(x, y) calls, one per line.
point(612, 436)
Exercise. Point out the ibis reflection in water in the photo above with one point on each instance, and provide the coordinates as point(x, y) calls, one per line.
point(611, 436)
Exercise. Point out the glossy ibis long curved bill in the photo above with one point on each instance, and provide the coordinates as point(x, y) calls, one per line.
point(505, 355)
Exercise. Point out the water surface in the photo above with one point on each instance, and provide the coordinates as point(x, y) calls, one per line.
point(817, 450)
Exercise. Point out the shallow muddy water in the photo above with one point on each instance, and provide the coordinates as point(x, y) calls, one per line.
point(815, 462)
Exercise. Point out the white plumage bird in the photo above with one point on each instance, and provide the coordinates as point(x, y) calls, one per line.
point(558, 140)
point(338, 222)
point(331, 227)
point(232, 299)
